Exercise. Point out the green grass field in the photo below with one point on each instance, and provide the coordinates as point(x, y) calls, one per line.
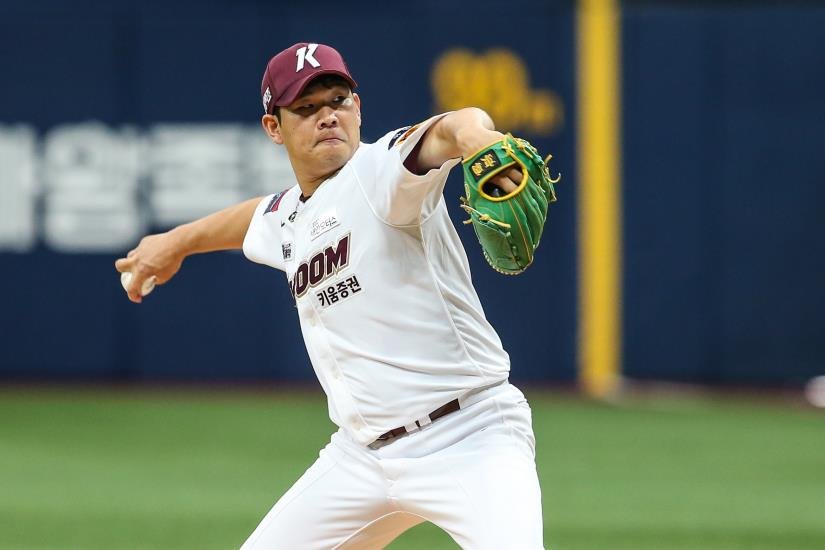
point(89, 469)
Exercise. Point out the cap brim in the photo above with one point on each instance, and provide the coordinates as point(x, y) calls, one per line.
point(296, 88)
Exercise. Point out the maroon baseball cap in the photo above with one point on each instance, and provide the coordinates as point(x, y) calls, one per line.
point(289, 72)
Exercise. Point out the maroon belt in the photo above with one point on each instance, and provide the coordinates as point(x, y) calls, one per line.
point(444, 410)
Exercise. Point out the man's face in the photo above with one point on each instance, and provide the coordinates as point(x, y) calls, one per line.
point(321, 129)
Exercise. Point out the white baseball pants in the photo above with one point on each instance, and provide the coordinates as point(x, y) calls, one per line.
point(472, 473)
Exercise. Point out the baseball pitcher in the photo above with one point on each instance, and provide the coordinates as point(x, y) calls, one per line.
point(416, 378)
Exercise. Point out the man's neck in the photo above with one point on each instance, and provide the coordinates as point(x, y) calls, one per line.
point(310, 185)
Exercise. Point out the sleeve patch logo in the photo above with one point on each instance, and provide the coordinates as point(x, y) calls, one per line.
point(275, 202)
point(407, 133)
point(397, 135)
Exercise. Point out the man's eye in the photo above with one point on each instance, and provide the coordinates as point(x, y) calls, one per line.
point(307, 107)
point(339, 99)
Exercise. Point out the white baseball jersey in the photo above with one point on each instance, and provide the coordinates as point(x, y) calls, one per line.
point(391, 321)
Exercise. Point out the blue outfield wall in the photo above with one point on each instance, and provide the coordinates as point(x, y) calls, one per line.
point(724, 118)
point(127, 117)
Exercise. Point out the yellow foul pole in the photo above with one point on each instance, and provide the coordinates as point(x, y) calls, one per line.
point(599, 195)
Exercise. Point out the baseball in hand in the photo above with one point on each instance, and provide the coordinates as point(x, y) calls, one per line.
point(148, 284)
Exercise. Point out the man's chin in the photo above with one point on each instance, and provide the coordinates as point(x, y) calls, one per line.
point(335, 157)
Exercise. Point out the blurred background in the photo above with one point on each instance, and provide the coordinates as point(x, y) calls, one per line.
point(680, 281)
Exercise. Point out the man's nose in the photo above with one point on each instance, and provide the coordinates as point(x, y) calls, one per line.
point(328, 118)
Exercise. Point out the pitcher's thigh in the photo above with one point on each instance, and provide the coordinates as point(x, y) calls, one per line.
point(507, 498)
point(328, 505)
point(381, 532)
point(489, 499)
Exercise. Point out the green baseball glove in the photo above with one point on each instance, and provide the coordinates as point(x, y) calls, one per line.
point(508, 226)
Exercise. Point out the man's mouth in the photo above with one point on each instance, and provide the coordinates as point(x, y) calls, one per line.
point(329, 140)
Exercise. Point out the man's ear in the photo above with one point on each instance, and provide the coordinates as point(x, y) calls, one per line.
point(272, 128)
point(357, 99)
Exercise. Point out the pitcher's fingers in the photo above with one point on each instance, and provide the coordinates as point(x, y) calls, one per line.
point(135, 291)
point(123, 264)
point(512, 180)
point(134, 294)
point(505, 183)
